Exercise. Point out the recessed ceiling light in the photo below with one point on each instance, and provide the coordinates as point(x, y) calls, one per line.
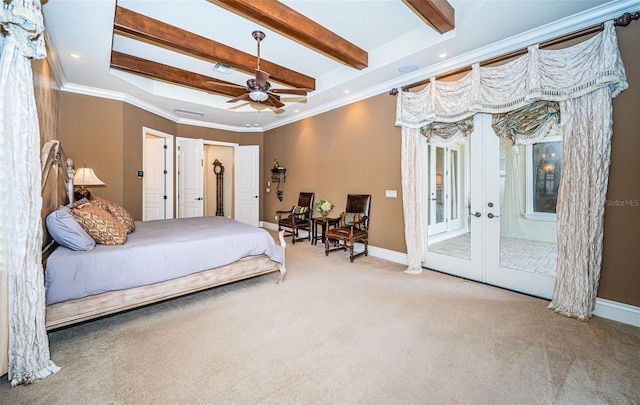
point(407, 68)
point(74, 55)
point(442, 55)
point(347, 91)
point(297, 111)
point(247, 125)
point(256, 125)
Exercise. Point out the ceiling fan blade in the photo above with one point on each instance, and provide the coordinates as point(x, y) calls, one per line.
point(273, 100)
point(261, 78)
point(241, 97)
point(297, 92)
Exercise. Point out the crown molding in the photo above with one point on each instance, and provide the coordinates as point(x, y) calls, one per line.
point(119, 96)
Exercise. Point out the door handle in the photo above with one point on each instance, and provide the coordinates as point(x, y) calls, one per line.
point(477, 214)
point(199, 198)
point(490, 215)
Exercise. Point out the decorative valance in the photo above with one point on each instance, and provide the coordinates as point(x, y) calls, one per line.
point(528, 124)
point(447, 133)
point(541, 74)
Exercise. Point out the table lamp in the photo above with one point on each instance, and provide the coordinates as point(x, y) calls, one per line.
point(85, 177)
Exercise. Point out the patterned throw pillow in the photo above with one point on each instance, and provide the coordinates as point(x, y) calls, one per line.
point(118, 212)
point(99, 224)
point(350, 218)
point(299, 212)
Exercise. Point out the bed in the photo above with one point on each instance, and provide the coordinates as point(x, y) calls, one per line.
point(160, 259)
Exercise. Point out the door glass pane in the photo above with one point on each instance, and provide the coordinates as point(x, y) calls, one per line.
point(527, 242)
point(430, 191)
point(439, 186)
point(453, 188)
point(450, 191)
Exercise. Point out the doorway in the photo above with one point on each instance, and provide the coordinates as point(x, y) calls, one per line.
point(497, 239)
point(157, 175)
point(226, 156)
point(196, 180)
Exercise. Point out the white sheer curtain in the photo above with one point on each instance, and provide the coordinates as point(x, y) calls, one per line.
point(20, 199)
point(554, 75)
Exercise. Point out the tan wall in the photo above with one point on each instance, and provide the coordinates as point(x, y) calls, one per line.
point(47, 96)
point(91, 134)
point(354, 149)
point(620, 277)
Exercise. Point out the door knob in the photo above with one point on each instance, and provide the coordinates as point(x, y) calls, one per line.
point(199, 198)
point(490, 215)
point(477, 215)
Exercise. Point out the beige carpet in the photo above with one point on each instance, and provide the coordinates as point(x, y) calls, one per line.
point(342, 333)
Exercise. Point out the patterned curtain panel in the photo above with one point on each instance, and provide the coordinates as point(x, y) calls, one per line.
point(413, 167)
point(581, 201)
point(550, 75)
point(21, 236)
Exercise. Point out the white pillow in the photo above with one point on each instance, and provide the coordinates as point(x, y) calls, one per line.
point(67, 232)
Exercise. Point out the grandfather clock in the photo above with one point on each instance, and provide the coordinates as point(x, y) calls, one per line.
point(218, 169)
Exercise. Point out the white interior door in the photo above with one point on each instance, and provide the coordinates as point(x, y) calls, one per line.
point(486, 251)
point(157, 176)
point(190, 177)
point(247, 184)
point(154, 179)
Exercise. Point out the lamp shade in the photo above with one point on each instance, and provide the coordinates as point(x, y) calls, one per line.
point(86, 177)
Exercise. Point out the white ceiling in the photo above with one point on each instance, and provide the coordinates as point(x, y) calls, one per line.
point(388, 30)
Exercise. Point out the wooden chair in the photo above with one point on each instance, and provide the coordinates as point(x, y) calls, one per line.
point(353, 227)
point(299, 217)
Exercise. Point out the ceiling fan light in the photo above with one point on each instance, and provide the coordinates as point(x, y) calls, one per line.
point(257, 95)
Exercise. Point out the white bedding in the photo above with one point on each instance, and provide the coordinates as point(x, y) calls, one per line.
point(155, 251)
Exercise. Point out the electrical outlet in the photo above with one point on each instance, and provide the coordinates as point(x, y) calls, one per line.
point(276, 218)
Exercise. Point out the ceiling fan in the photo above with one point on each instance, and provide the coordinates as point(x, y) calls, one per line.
point(259, 89)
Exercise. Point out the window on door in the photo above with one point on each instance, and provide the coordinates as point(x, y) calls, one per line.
point(544, 169)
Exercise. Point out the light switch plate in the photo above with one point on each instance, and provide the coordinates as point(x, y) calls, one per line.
point(391, 193)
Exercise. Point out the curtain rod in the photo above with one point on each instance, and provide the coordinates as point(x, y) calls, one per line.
point(621, 21)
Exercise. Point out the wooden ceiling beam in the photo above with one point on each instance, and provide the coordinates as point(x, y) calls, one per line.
point(159, 71)
point(141, 27)
point(437, 13)
point(290, 23)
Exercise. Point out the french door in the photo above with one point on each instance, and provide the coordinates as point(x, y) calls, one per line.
point(477, 224)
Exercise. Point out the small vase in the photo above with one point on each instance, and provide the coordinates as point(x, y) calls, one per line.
point(324, 215)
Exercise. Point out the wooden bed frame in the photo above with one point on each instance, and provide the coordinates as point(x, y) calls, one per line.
point(57, 190)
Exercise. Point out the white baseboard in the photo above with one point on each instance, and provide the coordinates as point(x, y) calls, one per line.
point(391, 255)
point(613, 310)
point(617, 311)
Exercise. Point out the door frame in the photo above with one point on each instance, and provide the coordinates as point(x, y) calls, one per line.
point(169, 166)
